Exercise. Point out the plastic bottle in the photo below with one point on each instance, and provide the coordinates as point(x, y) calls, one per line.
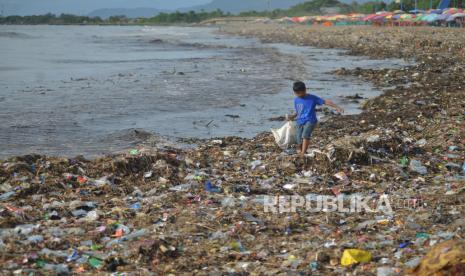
point(210, 188)
point(416, 166)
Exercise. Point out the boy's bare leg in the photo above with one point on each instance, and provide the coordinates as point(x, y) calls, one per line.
point(299, 148)
point(305, 144)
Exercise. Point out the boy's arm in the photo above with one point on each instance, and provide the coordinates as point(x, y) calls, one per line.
point(335, 106)
point(292, 116)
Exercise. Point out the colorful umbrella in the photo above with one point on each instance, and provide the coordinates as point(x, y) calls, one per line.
point(342, 16)
point(442, 17)
point(455, 16)
point(416, 11)
point(451, 11)
point(419, 17)
point(378, 17)
point(437, 11)
point(304, 19)
point(431, 17)
point(407, 16)
point(370, 17)
point(284, 19)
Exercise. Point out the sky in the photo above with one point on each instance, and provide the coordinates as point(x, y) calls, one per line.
point(82, 7)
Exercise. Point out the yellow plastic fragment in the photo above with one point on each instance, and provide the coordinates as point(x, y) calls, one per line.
point(353, 256)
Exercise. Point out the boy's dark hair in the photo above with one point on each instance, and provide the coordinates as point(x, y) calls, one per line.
point(299, 86)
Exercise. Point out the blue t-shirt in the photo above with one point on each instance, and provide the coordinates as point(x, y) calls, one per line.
point(305, 108)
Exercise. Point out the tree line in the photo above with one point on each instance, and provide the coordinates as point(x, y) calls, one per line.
point(65, 19)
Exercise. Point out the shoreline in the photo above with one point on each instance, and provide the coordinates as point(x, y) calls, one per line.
point(268, 68)
point(408, 143)
point(213, 61)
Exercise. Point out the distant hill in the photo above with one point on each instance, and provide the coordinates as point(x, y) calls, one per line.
point(236, 6)
point(130, 13)
point(319, 7)
point(233, 6)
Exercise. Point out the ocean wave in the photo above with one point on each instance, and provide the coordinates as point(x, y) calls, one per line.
point(14, 35)
point(82, 61)
point(185, 44)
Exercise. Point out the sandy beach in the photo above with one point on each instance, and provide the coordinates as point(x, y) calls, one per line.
point(154, 211)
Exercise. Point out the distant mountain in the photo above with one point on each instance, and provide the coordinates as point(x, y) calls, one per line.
point(130, 13)
point(236, 6)
point(232, 6)
point(320, 7)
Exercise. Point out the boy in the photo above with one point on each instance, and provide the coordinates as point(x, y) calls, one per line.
point(305, 114)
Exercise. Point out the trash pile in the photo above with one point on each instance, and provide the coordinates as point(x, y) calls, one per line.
point(420, 44)
point(203, 210)
point(212, 209)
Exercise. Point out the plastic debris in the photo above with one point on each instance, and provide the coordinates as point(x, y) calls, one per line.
point(6, 195)
point(135, 206)
point(354, 256)
point(95, 263)
point(74, 256)
point(210, 188)
point(416, 166)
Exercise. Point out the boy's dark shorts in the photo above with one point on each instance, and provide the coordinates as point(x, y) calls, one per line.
point(304, 131)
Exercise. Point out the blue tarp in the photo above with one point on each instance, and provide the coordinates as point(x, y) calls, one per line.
point(444, 4)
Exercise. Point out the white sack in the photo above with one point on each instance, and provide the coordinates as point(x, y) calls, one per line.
point(285, 136)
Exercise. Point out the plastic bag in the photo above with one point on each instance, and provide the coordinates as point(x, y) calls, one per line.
point(353, 256)
point(285, 136)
